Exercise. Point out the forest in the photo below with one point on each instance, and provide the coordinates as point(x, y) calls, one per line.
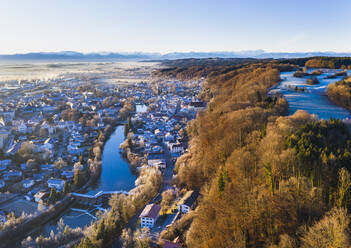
point(187, 69)
point(266, 179)
point(329, 62)
point(320, 62)
point(340, 92)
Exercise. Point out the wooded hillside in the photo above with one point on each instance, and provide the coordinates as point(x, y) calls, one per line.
point(266, 180)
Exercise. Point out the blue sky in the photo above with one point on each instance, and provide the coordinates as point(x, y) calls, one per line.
point(178, 25)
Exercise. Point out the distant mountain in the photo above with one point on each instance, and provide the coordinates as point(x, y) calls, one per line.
point(301, 55)
point(71, 55)
point(224, 54)
point(249, 54)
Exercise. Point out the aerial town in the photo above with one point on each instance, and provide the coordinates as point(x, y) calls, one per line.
point(175, 124)
point(52, 135)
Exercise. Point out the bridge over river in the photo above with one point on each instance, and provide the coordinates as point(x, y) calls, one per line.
point(98, 198)
point(116, 178)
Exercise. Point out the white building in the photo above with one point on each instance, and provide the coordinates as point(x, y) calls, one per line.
point(157, 163)
point(27, 183)
point(22, 128)
point(38, 177)
point(39, 195)
point(47, 167)
point(187, 201)
point(149, 215)
point(168, 137)
point(13, 175)
point(58, 184)
point(176, 148)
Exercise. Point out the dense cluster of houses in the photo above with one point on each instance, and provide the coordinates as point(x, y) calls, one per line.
point(44, 122)
point(162, 133)
point(161, 138)
point(48, 126)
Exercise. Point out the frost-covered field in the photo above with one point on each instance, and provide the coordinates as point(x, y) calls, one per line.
point(110, 71)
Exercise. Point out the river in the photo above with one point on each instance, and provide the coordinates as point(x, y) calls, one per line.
point(314, 99)
point(116, 174)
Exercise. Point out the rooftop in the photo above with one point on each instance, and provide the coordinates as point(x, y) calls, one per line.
point(189, 198)
point(151, 211)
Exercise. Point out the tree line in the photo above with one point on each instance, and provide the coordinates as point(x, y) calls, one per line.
point(266, 180)
point(340, 92)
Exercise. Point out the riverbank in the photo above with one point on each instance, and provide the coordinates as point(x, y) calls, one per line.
point(62, 208)
point(134, 159)
point(115, 174)
point(340, 93)
point(313, 99)
point(11, 237)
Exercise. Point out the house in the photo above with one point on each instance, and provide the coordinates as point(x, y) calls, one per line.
point(27, 183)
point(198, 105)
point(22, 128)
point(168, 138)
point(73, 148)
point(40, 195)
point(58, 184)
point(157, 163)
point(149, 215)
point(187, 202)
point(13, 175)
point(38, 177)
point(69, 175)
point(176, 148)
point(47, 167)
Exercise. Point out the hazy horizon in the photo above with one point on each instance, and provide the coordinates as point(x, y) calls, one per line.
point(105, 52)
point(174, 26)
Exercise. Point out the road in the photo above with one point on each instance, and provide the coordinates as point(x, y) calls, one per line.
point(167, 177)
